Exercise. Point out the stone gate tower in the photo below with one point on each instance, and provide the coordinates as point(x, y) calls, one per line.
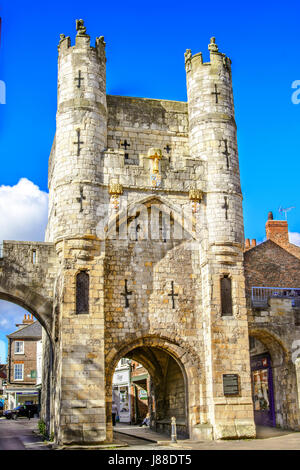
point(213, 143)
point(143, 255)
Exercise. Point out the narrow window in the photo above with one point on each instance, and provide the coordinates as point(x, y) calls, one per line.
point(19, 371)
point(82, 292)
point(162, 227)
point(33, 257)
point(251, 342)
point(226, 296)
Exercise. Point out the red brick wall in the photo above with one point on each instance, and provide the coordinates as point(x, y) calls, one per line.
point(142, 404)
point(277, 230)
point(269, 265)
point(28, 359)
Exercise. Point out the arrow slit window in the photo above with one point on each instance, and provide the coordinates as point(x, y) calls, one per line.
point(226, 296)
point(82, 292)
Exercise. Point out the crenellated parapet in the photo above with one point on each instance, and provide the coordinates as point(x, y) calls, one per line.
point(217, 59)
point(212, 139)
point(81, 136)
point(82, 40)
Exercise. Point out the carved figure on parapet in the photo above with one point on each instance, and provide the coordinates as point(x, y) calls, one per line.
point(188, 59)
point(100, 47)
point(62, 39)
point(81, 29)
point(101, 41)
point(187, 55)
point(226, 62)
point(212, 47)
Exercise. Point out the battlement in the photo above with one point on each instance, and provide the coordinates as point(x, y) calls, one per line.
point(82, 41)
point(216, 58)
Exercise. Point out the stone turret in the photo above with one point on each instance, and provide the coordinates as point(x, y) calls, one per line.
point(212, 138)
point(81, 136)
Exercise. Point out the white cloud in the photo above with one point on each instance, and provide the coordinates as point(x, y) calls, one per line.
point(10, 314)
point(294, 238)
point(23, 215)
point(23, 212)
point(3, 352)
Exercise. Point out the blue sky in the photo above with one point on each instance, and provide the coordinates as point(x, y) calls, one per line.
point(145, 49)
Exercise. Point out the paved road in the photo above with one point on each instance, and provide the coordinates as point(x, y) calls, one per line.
point(136, 443)
point(18, 435)
point(267, 439)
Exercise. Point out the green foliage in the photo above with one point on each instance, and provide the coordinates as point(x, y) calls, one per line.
point(42, 428)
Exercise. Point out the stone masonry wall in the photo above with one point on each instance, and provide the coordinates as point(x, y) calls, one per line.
point(269, 265)
point(27, 273)
point(274, 326)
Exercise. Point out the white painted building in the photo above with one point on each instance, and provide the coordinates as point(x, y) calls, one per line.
point(121, 390)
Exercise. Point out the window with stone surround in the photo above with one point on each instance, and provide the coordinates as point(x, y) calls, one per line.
point(18, 371)
point(226, 296)
point(19, 347)
point(82, 292)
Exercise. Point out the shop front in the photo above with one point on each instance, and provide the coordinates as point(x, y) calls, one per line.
point(121, 395)
point(24, 397)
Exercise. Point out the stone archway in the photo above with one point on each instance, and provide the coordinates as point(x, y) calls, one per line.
point(41, 309)
point(281, 373)
point(172, 371)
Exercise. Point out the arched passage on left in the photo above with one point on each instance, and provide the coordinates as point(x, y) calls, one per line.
point(41, 309)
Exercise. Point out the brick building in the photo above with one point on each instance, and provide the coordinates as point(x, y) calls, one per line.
point(3, 378)
point(141, 402)
point(22, 363)
point(131, 385)
point(272, 274)
point(121, 390)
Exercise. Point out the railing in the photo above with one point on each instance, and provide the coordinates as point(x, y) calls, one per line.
point(261, 295)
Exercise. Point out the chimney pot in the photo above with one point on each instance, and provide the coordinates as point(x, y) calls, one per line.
point(277, 230)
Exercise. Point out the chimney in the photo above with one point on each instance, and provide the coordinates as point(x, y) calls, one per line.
point(277, 230)
point(27, 320)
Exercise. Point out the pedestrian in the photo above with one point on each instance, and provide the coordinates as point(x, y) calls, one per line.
point(28, 412)
point(146, 421)
point(114, 412)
